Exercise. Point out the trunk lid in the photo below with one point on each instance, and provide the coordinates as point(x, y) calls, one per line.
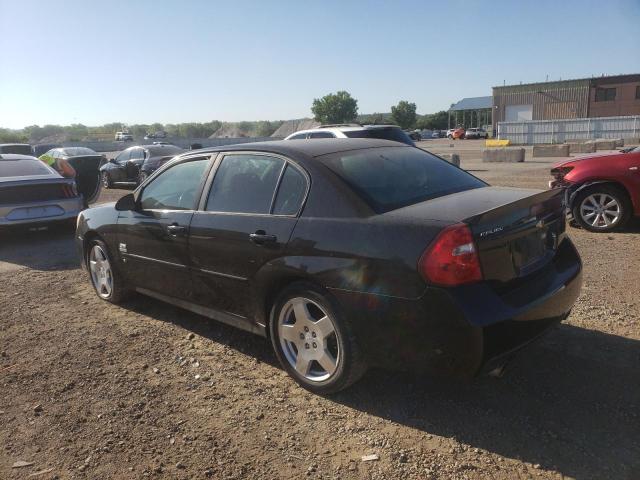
point(516, 230)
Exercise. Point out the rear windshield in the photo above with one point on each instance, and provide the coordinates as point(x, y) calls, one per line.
point(19, 168)
point(75, 151)
point(393, 134)
point(20, 149)
point(394, 177)
point(165, 150)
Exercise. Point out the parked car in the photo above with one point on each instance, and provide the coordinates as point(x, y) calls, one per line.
point(472, 133)
point(438, 134)
point(19, 148)
point(345, 253)
point(133, 165)
point(123, 137)
point(603, 191)
point(33, 194)
point(414, 135)
point(383, 132)
point(42, 148)
point(455, 133)
point(86, 163)
point(158, 134)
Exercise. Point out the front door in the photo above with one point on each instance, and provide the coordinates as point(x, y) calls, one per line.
point(245, 222)
point(153, 238)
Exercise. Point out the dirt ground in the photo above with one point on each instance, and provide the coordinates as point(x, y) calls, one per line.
point(145, 390)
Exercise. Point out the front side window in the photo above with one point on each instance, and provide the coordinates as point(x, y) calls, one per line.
point(291, 192)
point(300, 136)
point(137, 154)
point(245, 184)
point(393, 177)
point(176, 188)
point(123, 156)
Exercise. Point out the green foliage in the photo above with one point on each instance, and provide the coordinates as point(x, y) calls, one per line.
point(12, 136)
point(404, 114)
point(434, 121)
point(339, 107)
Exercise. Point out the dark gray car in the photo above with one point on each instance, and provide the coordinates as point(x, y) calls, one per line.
point(133, 165)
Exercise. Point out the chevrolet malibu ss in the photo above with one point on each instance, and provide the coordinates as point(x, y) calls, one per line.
point(344, 253)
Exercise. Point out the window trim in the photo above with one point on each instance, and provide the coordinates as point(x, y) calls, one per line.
point(604, 91)
point(138, 192)
point(287, 161)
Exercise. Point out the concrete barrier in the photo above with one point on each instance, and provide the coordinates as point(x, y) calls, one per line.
point(551, 150)
point(505, 154)
point(605, 144)
point(451, 158)
point(630, 141)
point(582, 147)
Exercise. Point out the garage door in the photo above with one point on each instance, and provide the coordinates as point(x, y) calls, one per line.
point(518, 113)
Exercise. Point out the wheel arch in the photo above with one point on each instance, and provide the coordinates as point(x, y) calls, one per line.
point(590, 183)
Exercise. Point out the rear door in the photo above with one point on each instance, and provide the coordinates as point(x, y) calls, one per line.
point(244, 222)
point(153, 238)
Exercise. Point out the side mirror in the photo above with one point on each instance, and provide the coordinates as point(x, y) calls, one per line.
point(126, 203)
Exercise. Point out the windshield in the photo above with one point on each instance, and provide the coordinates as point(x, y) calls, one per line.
point(393, 177)
point(390, 133)
point(20, 168)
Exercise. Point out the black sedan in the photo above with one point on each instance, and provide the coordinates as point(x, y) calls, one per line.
point(133, 165)
point(346, 253)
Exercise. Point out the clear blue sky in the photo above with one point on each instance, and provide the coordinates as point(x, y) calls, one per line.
point(170, 61)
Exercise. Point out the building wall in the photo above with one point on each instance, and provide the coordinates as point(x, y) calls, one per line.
point(625, 102)
point(549, 101)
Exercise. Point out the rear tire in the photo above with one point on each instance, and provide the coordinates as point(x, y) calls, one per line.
point(312, 340)
point(601, 208)
point(103, 273)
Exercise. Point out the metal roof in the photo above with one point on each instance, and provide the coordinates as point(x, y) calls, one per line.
point(473, 103)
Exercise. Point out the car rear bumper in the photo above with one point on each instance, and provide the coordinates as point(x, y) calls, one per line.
point(40, 212)
point(459, 331)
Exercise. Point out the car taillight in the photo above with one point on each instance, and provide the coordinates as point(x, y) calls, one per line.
point(452, 258)
point(69, 191)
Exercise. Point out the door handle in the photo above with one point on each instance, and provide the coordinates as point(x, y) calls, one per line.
point(261, 237)
point(175, 230)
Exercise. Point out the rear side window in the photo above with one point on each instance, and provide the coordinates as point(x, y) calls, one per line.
point(291, 192)
point(393, 134)
point(321, 135)
point(300, 136)
point(394, 177)
point(245, 184)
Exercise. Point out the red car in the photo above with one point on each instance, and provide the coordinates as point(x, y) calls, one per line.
point(603, 191)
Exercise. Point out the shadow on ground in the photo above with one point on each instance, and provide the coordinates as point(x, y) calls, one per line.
point(46, 249)
point(569, 403)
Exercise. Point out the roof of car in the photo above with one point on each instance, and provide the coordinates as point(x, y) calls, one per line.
point(312, 148)
point(14, 144)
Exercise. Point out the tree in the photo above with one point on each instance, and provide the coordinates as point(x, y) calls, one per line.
point(434, 121)
point(404, 114)
point(339, 107)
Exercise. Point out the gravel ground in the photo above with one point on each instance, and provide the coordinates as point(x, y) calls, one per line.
point(146, 390)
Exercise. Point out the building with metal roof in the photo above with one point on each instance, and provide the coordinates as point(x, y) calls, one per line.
point(471, 112)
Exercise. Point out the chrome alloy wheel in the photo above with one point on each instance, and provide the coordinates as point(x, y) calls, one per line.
point(600, 210)
point(100, 269)
point(308, 339)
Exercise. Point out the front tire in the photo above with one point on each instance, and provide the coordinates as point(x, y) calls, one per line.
point(106, 180)
point(105, 277)
point(601, 208)
point(313, 342)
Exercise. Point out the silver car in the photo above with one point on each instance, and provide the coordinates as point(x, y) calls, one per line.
point(33, 193)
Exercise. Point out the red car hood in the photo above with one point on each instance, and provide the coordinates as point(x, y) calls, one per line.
point(587, 157)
